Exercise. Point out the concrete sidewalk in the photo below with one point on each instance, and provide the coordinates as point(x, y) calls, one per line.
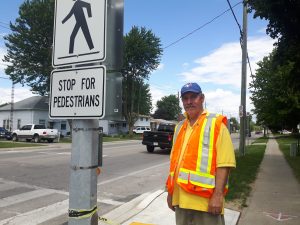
point(275, 198)
point(151, 208)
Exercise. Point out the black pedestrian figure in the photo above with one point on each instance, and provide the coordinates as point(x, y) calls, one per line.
point(78, 12)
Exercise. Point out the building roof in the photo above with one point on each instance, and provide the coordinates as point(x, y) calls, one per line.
point(163, 121)
point(32, 103)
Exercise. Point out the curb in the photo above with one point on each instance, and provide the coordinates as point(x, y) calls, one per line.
point(151, 208)
point(130, 209)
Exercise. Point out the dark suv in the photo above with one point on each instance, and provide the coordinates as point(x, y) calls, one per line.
point(5, 133)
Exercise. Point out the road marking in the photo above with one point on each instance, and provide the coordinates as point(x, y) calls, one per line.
point(14, 184)
point(131, 174)
point(39, 215)
point(279, 216)
point(110, 202)
point(25, 197)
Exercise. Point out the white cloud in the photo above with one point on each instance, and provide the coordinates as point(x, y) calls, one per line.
point(161, 66)
point(223, 65)
point(224, 102)
point(156, 93)
point(185, 65)
point(19, 94)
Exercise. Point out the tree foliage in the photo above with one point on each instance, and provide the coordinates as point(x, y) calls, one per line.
point(142, 52)
point(29, 46)
point(168, 108)
point(273, 96)
point(276, 85)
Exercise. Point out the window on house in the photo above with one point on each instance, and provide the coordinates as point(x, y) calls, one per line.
point(63, 126)
point(4, 123)
point(19, 124)
point(112, 125)
point(42, 122)
point(124, 124)
point(141, 119)
point(147, 119)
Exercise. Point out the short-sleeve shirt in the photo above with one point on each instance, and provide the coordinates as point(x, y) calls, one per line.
point(225, 158)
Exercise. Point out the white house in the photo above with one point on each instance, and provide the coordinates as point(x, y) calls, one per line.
point(36, 110)
point(31, 110)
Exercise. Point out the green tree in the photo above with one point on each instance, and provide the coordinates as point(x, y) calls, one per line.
point(29, 46)
point(168, 108)
point(142, 52)
point(276, 85)
point(273, 96)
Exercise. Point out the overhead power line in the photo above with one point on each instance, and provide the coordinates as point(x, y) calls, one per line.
point(199, 28)
point(5, 78)
point(4, 27)
point(4, 23)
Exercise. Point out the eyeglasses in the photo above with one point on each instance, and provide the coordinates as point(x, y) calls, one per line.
point(192, 97)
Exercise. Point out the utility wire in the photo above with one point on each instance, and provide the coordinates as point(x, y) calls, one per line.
point(241, 33)
point(199, 28)
point(4, 27)
point(4, 23)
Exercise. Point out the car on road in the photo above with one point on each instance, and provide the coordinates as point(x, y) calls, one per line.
point(35, 132)
point(162, 138)
point(141, 130)
point(5, 134)
point(285, 132)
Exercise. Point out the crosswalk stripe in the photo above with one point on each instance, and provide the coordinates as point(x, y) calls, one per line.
point(110, 202)
point(38, 215)
point(25, 197)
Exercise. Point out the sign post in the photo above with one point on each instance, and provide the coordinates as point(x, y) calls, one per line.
point(78, 89)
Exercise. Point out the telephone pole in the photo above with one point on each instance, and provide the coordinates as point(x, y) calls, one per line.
point(242, 110)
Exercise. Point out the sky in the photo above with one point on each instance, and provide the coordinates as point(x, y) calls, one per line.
point(208, 52)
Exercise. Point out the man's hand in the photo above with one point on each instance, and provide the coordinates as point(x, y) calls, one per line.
point(169, 200)
point(215, 204)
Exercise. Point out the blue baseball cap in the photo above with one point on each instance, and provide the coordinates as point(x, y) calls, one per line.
point(191, 87)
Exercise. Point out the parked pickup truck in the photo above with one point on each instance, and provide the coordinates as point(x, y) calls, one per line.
point(35, 132)
point(162, 138)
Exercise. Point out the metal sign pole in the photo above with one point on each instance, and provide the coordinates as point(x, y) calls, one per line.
point(83, 177)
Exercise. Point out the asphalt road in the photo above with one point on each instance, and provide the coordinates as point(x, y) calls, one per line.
point(36, 179)
point(34, 183)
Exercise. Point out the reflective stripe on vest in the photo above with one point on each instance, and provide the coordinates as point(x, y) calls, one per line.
point(201, 177)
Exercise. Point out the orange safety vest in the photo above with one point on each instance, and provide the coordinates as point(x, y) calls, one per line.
point(196, 171)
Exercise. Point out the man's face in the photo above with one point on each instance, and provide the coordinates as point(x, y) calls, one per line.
point(193, 104)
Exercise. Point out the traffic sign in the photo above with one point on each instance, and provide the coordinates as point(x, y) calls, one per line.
point(79, 34)
point(78, 93)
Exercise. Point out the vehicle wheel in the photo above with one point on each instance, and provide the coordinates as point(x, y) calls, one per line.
point(150, 148)
point(36, 139)
point(50, 140)
point(14, 137)
point(162, 148)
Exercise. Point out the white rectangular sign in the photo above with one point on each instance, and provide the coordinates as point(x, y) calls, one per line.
point(78, 93)
point(79, 34)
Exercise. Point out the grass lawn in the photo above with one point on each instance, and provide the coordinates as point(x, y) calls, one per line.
point(261, 140)
point(294, 162)
point(10, 144)
point(242, 177)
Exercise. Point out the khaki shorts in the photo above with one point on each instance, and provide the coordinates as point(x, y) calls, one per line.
point(193, 217)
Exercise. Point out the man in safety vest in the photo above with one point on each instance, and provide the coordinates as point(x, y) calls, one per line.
point(200, 161)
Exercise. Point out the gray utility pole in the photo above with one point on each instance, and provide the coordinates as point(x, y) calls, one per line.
point(243, 83)
point(86, 142)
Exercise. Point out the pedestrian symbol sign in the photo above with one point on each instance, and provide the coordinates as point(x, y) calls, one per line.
point(79, 32)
